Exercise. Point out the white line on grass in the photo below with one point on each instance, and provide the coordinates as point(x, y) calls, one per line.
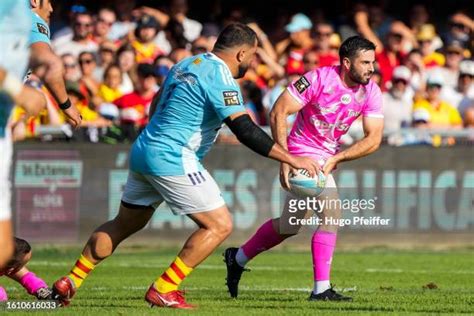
point(255, 268)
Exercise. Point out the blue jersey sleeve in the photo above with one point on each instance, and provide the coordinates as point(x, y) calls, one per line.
point(224, 93)
point(39, 30)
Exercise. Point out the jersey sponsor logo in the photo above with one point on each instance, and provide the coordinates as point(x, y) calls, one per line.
point(346, 99)
point(353, 113)
point(42, 29)
point(231, 97)
point(301, 84)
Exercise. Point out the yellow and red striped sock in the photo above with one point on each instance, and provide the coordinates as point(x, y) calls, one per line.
point(81, 270)
point(173, 276)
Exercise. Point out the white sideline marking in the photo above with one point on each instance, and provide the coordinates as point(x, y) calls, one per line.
point(254, 268)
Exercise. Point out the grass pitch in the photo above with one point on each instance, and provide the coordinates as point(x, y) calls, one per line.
point(381, 281)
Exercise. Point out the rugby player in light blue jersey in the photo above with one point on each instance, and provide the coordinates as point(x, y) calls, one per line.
point(199, 94)
point(42, 54)
point(15, 23)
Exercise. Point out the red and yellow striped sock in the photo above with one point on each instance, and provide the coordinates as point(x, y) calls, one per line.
point(173, 276)
point(81, 270)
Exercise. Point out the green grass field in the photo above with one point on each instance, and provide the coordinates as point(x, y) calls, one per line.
point(381, 281)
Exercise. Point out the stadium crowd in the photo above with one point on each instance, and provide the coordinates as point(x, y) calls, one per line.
point(115, 60)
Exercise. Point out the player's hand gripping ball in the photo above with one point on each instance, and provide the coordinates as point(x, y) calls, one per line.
point(303, 185)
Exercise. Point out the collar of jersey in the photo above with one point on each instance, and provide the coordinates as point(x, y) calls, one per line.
point(215, 57)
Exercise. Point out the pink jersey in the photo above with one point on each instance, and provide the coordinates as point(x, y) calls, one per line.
point(329, 108)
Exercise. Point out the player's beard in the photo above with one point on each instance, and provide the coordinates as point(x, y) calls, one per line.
point(356, 77)
point(242, 70)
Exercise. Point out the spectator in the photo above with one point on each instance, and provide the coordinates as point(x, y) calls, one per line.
point(200, 45)
point(414, 62)
point(462, 96)
point(134, 106)
point(145, 49)
point(179, 54)
point(390, 54)
point(88, 85)
point(450, 71)
point(398, 101)
point(327, 56)
point(460, 28)
point(469, 117)
point(178, 12)
point(72, 72)
point(127, 64)
point(417, 17)
point(103, 24)
point(311, 61)
point(175, 34)
point(252, 97)
point(81, 39)
point(163, 65)
point(438, 113)
point(124, 23)
point(66, 33)
point(429, 42)
point(292, 49)
point(109, 90)
point(106, 57)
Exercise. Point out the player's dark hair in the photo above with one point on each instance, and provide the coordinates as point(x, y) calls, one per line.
point(235, 34)
point(351, 47)
point(22, 247)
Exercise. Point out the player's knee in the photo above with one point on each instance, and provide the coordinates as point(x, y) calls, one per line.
point(222, 228)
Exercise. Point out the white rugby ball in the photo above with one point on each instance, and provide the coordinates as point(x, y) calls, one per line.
point(302, 185)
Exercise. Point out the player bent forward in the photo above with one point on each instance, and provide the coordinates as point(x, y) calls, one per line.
point(327, 101)
point(197, 96)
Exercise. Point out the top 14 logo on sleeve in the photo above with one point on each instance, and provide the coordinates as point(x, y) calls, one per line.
point(231, 97)
point(301, 84)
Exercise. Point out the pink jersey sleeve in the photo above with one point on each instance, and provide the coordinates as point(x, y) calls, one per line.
point(373, 106)
point(306, 88)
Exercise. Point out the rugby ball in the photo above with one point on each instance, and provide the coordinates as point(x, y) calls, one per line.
point(303, 185)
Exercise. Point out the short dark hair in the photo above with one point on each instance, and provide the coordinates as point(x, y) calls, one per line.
point(235, 34)
point(22, 247)
point(353, 45)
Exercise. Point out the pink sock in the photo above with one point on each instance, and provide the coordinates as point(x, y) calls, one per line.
point(265, 238)
point(3, 295)
point(32, 283)
point(323, 244)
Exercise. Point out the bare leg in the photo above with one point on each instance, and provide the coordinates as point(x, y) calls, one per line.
point(109, 235)
point(214, 227)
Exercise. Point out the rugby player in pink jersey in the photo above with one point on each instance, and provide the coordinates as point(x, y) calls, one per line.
point(327, 101)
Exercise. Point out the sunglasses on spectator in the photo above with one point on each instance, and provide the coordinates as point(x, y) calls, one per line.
point(105, 22)
point(82, 24)
point(70, 66)
point(86, 61)
point(325, 34)
point(458, 25)
point(466, 75)
point(433, 86)
point(396, 36)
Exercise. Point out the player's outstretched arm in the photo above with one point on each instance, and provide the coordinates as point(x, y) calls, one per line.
point(373, 130)
point(42, 54)
point(257, 140)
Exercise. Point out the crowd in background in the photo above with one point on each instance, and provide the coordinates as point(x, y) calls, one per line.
point(115, 60)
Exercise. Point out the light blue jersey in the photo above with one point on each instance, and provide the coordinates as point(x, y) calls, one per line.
point(198, 94)
point(39, 30)
point(15, 24)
